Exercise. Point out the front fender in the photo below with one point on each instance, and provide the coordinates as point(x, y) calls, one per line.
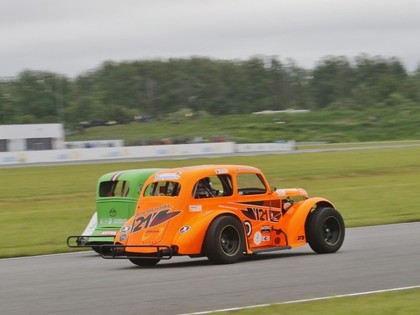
point(293, 221)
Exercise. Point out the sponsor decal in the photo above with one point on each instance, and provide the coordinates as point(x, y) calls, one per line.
point(301, 238)
point(256, 214)
point(259, 214)
point(257, 238)
point(195, 208)
point(248, 228)
point(184, 229)
point(149, 235)
point(265, 229)
point(159, 208)
point(168, 176)
point(63, 156)
point(221, 171)
point(123, 237)
point(275, 215)
point(108, 233)
point(153, 219)
point(152, 231)
point(112, 221)
point(125, 229)
point(112, 212)
point(266, 238)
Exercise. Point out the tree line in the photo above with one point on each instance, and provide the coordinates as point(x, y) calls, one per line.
point(119, 91)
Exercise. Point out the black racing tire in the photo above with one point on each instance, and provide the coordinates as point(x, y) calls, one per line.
point(102, 250)
point(224, 242)
point(325, 230)
point(97, 249)
point(144, 262)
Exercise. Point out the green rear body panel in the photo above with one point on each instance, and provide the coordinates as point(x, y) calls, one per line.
point(117, 194)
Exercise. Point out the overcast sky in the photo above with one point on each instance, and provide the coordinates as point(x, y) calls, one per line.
point(73, 36)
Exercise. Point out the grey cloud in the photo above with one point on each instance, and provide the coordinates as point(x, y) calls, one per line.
point(71, 37)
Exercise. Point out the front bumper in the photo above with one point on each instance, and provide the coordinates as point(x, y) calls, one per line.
point(118, 251)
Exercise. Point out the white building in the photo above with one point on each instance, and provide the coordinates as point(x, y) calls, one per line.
point(31, 137)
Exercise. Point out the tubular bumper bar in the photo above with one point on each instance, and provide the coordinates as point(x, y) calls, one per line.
point(76, 241)
point(118, 251)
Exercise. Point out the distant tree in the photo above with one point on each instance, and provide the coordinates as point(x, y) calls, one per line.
point(332, 80)
point(381, 76)
point(121, 90)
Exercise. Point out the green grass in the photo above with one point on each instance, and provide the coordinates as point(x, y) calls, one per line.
point(405, 302)
point(337, 126)
point(41, 206)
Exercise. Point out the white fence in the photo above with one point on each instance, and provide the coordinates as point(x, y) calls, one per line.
point(139, 152)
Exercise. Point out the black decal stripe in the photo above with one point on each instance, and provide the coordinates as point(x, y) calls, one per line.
point(249, 213)
point(163, 216)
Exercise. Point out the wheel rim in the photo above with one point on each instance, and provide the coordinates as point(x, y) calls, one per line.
point(229, 240)
point(331, 231)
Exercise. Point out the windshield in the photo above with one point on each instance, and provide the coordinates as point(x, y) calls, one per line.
point(250, 184)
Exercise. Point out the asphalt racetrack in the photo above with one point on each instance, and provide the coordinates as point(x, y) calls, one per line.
point(372, 258)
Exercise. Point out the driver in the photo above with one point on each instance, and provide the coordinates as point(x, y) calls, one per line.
point(204, 188)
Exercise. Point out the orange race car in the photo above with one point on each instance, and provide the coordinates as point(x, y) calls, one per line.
point(222, 212)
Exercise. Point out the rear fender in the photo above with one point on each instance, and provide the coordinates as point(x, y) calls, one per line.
point(293, 221)
point(190, 236)
point(123, 235)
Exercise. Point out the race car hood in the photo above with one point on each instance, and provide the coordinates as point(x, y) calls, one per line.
point(292, 192)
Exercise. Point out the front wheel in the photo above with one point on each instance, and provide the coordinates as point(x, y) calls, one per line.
point(224, 241)
point(325, 230)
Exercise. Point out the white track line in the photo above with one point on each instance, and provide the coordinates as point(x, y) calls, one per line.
point(306, 300)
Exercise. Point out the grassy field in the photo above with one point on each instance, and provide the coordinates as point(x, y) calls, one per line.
point(327, 126)
point(405, 302)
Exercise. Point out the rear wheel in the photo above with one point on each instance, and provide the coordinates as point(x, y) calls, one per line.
point(325, 230)
point(144, 262)
point(224, 241)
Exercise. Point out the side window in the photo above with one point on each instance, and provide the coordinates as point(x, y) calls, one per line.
point(164, 188)
point(250, 184)
point(118, 188)
point(213, 186)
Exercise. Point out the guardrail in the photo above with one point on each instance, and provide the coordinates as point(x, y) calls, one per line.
point(81, 155)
